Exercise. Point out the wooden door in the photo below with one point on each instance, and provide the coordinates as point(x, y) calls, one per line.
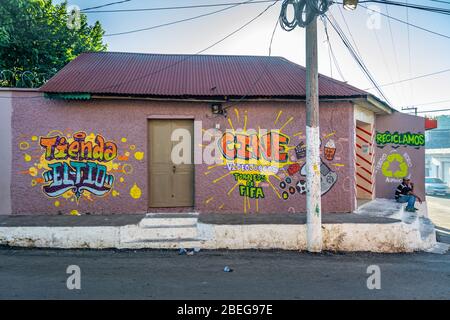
point(170, 185)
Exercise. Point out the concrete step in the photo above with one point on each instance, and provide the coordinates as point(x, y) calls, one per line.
point(187, 243)
point(171, 215)
point(160, 222)
point(379, 213)
point(382, 208)
point(131, 233)
point(379, 207)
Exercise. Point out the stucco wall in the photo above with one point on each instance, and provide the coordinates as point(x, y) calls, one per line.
point(5, 154)
point(404, 157)
point(124, 124)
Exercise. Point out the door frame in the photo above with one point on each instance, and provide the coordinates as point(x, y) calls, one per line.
point(169, 117)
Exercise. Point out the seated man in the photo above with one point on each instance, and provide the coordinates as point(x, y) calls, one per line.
point(405, 193)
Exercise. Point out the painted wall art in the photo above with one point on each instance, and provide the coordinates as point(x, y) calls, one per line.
point(394, 164)
point(261, 163)
point(400, 152)
point(72, 167)
point(397, 139)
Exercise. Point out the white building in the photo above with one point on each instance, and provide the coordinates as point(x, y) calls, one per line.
point(437, 164)
point(437, 153)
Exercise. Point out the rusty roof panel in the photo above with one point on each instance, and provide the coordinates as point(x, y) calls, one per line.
point(116, 73)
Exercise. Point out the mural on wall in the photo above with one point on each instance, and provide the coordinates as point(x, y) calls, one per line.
point(328, 177)
point(396, 139)
point(77, 165)
point(72, 167)
point(262, 162)
point(400, 152)
point(395, 165)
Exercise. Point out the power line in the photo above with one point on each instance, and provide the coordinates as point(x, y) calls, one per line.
point(263, 73)
point(397, 65)
point(429, 103)
point(411, 24)
point(348, 29)
point(440, 1)
point(412, 6)
point(383, 57)
point(179, 7)
point(387, 2)
point(409, 49)
point(335, 61)
point(197, 53)
point(414, 78)
point(105, 5)
point(438, 110)
point(329, 47)
point(377, 39)
point(178, 21)
point(189, 57)
point(230, 4)
point(355, 55)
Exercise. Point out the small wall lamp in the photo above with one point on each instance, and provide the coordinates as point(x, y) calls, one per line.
point(217, 108)
point(350, 4)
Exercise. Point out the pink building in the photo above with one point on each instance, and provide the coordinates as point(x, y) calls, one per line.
point(101, 135)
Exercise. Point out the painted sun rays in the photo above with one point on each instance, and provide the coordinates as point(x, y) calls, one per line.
point(251, 185)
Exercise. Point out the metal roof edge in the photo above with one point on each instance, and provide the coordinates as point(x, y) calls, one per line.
point(372, 103)
point(379, 104)
point(14, 89)
point(223, 99)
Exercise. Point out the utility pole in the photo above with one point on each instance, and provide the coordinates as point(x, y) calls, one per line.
point(305, 16)
point(411, 108)
point(313, 192)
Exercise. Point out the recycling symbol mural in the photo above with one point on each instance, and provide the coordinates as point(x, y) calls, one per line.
point(389, 169)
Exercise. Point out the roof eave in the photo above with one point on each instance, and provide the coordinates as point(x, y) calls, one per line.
point(374, 104)
point(367, 101)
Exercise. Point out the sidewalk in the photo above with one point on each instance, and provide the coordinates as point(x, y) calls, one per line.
point(211, 218)
point(70, 221)
point(289, 218)
point(340, 232)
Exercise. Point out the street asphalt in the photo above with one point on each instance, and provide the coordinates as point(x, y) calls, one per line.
point(154, 274)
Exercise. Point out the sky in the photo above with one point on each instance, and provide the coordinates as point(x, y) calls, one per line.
point(384, 47)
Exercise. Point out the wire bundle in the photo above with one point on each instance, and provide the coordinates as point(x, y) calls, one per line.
point(304, 12)
point(355, 55)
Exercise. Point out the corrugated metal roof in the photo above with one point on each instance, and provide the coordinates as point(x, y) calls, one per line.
point(115, 73)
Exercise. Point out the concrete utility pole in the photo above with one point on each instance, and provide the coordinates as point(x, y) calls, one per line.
point(305, 16)
point(313, 192)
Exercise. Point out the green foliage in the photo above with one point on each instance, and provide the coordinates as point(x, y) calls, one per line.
point(36, 40)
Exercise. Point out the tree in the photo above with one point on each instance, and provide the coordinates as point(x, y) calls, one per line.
point(38, 38)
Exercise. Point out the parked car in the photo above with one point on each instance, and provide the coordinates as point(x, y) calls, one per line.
point(436, 186)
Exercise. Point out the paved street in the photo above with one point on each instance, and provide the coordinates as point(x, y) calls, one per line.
point(154, 274)
point(257, 274)
point(439, 213)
